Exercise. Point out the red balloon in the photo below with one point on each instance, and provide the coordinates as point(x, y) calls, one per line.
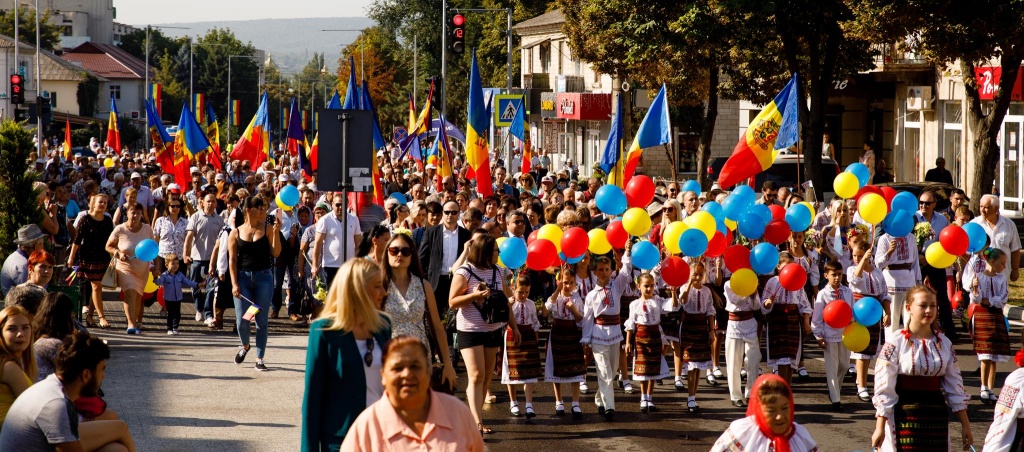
point(540, 254)
point(888, 193)
point(639, 191)
point(868, 189)
point(954, 240)
point(793, 277)
point(837, 314)
point(737, 257)
point(971, 308)
point(728, 236)
point(778, 212)
point(616, 234)
point(717, 245)
point(575, 242)
point(958, 297)
point(776, 232)
point(533, 236)
point(675, 271)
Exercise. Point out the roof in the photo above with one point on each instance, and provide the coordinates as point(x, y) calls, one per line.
point(51, 66)
point(107, 60)
point(553, 17)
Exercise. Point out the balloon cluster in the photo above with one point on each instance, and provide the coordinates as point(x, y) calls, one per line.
point(847, 183)
point(854, 321)
point(955, 241)
point(287, 198)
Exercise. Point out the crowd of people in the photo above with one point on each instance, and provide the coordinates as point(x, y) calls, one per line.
point(398, 295)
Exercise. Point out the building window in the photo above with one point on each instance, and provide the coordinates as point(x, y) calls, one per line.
point(597, 76)
point(952, 138)
point(559, 56)
point(545, 57)
point(53, 100)
point(115, 92)
point(912, 139)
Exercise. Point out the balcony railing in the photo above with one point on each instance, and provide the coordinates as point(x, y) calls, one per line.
point(537, 81)
point(895, 57)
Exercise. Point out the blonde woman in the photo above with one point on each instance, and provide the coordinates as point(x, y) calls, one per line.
point(344, 355)
point(670, 211)
point(417, 216)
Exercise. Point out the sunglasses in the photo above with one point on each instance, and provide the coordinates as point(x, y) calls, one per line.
point(925, 203)
point(174, 206)
point(451, 212)
point(518, 222)
point(339, 205)
point(405, 251)
point(368, 357)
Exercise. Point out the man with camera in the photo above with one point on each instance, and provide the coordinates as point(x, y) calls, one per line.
point(327, 246)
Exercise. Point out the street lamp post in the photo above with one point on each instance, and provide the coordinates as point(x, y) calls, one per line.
point(230, 117)
point(148, 27)
point(191, 68)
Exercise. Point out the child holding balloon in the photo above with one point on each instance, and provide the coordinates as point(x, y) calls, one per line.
point(829, 319)
point(867, 282)
point(696, 331)
point(741, 336)
point(564, 361)
point(787, 321)
point(601, 331)
point(643, 326)
point(989, 292)
point(521, 363)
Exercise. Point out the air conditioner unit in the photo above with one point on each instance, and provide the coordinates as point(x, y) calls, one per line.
point(919, 98)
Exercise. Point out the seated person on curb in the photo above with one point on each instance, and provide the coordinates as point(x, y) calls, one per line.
point(44, 418)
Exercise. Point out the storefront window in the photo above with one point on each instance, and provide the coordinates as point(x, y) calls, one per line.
point(952, 138)
point(912, 144)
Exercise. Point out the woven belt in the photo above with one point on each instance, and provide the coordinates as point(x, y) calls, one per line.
point(740, 316)
point(605, 320)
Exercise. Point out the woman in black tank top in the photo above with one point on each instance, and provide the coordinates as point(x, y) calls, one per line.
point(252, 248)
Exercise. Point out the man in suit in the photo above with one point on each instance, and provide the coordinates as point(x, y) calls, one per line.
point(442, 245)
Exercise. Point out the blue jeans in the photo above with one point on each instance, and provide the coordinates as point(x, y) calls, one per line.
point(202, 298)
point(258, 287)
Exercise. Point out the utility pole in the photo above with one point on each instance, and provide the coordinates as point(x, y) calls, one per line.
point(444, 59)
point(39, 91)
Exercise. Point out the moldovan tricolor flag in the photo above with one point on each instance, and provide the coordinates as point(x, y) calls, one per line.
point(521, 129)
point(113, 131)
point(476, 133)
point(67, 138)
point(156, 95)
point(254, 144)
point(199, 107)
point(655, 130)
point(611, 159)
point(213, 134)
point(776, 127)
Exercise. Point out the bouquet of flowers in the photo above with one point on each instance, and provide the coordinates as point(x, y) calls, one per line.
point(319, 289)
point(812, 239)
point(923, 232)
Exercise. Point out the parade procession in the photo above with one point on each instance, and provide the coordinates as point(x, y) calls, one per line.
point(724, 226)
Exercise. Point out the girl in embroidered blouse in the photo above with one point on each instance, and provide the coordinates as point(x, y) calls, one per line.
point(989, 293)
point(910, 369)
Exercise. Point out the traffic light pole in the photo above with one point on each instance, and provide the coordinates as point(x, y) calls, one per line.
point(508, 37)
point(444, 58)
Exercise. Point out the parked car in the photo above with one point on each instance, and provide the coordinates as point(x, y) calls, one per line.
point(784, 173)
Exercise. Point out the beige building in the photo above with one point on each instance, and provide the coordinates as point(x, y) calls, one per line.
point(82, 20)
point(60, 80)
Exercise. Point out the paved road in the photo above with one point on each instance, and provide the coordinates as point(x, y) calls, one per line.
point(184, 393)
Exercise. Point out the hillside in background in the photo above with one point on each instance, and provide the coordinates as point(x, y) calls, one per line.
point(291, 42)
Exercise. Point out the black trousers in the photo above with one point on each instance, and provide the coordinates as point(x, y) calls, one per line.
point(173, 314)
point(936, 277)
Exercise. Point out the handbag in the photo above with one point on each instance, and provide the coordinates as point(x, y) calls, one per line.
point(110, 275)
point(494, 308)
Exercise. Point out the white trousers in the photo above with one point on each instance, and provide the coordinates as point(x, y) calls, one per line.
point(735, 350)
point(897, 316)
point(606, 361)
point(837, 361)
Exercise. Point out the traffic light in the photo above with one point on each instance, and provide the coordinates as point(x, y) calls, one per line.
point(17, 89)
point(458, 33)
point(46, 109)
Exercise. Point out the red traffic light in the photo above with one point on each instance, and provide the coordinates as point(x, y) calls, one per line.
point(458, 20)
point(15, 78)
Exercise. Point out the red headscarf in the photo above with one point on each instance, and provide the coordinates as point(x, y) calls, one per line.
point(780, 442)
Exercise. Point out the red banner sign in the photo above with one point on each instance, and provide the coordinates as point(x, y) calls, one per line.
point(988, 78)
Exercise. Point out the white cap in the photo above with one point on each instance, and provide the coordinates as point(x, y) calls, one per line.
point(136, 175)
point(431, 166)
point(220, 176)
point(283, 178)
point(193, 169)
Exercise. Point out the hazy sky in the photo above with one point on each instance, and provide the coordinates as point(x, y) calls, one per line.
point(142, 12)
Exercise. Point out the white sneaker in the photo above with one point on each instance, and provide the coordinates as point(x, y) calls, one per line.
point(583, 388)
point(208, 321)
point(743, 373)
point(711, 379)
point(985, 395)
point(199, 316)
point(717, 372)
point(626, 386)
point(170, 332)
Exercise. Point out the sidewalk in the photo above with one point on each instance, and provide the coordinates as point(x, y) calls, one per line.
point(185, 393)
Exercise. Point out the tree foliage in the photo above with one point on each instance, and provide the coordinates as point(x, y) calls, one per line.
point(388, 72)
point(159, 43)
point(49, 35)
point(16, 192)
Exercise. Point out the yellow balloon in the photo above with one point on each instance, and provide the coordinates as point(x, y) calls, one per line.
point(872, 208)
point(636, 221)
point(743, 282)
point(498, 244)
point(150, 285)
point(846, 185)
point(810, 207)
point(670, 237)
point(282, 205)
point(730, 224)
point(599, 241)
point(703, 221)
point(937, 256)
point(553, 233)
point(108, 162)
point(856, 337)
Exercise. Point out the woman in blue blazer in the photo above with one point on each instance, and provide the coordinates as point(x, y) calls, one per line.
point(343, 358)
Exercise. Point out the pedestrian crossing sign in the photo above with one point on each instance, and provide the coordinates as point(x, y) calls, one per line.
point(506, 106)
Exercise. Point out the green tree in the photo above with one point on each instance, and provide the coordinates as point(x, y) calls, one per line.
point(959, 36)
point(16, 186)
point(212, 52)
point(173, 91)
point(388, 74)
point(159, 43)
point(49, 35)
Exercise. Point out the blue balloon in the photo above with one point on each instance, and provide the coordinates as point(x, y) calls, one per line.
point(289, 195)
point(904, 200)
point(513, 252)
point(401, 199)
point(692, 185)
point(746, 193)
point(721, 227)
point(611, 200)
point(976, 237)
point(734, 207)
point(867, 311)
point(861, 171)
point(751, 226)
point(898, 223)
point(763, 258)
point(798, 217)
point(147, 250)
point(645, 255)
point(573, 260)
point(693, 242)
point(762, 211)
point(714, 208)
